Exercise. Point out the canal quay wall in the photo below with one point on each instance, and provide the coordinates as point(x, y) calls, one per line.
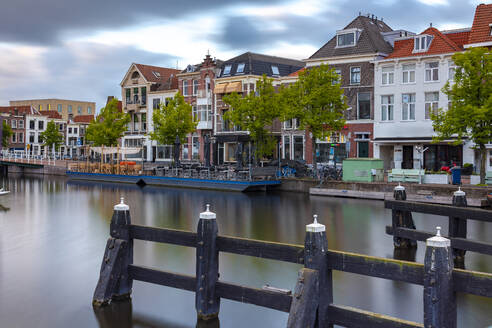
point(45, 170)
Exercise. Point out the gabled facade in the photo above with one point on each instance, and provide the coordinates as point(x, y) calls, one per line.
point(408, 88)
point(135, 87)
point(240, 74)
point(196, 84)
point(481, 31)
point(351, 53)
point(15, 117)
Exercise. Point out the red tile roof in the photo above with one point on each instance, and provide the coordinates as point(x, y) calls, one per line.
point(480, 31)
point(50, 114)
point(460, 38)
point(83, 118)
point(165, 74)
point(21, 110)
point(441, 44)
point(296, 73)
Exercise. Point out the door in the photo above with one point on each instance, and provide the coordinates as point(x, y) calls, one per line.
point(407, 157)
point(363, 148)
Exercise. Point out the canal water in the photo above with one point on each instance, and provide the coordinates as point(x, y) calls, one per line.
point(53, 233)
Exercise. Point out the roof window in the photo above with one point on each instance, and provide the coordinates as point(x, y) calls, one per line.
point(227, 70)
point(240, 68)
point(275, 70)
point(422, 43)
point(348, 38)
point(156, 74)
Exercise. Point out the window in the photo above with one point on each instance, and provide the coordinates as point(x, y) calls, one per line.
point(408, 73)
point(13, 123)
point(339, 73)
point(431, 71)
point(207, 84)
point(89, 110)
point(288, 124)
point(49, 106)
point(275, 70)
point(227, 70)
point(59, 108)
point(70, 130)
point(185, 87)
point(298, 147)
point(32, 124)
point(240, 68)
point(388, 76)
point(408, 107)
point(128, 95)
point(194, 113)
point(31, 137)
point(40, 107)
point(156, 103)
point(346, 39)
point(144, 95)
point(41, 125)
point(21, 137)
point(164, 152)
point(195, 87)
point(144, 122)
point(364, 106)
point(184, 154)
point(451, 70)
point(286, 147)
point(79, 110)
point(69, 108)
point(355, 75)
point(21, 124)
point(431, 103)
point(136, 124)
point(156, 74)
point(14, 139)
point(75, 130)
point(195, 148)
point(387, 104)
point(421, 43)
point(203, 113)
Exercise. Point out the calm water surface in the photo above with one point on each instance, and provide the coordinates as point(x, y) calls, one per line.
point(53, 234)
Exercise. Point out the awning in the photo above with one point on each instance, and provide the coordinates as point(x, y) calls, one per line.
point(220, 88)
point(114, 150)
point(234, 87)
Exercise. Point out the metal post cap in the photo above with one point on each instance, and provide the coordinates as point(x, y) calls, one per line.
point(121, 206)
point(438, 240)
point(315, 226)
point(459, 192)
point(399, 187)
point(207, 214)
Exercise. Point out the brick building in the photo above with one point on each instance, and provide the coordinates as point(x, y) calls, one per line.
point(66, 108)
point(15, 117)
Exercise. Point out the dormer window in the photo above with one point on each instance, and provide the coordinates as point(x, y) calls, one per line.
point(347, 38)
point(275, 70)
point(227, 70)
point(422, 43)
point(490, 29)
point(240, 68)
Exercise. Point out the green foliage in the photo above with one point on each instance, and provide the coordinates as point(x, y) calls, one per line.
point(108, 126)
point(172, 120)
point(51, 136)
point(470, 112)
point(256, 113)
point(6, 134)
point(317, 101)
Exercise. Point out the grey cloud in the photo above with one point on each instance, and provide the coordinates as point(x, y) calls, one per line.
point(45, 22)
point(85, 71)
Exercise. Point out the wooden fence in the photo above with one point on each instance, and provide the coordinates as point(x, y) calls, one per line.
point(311, 304)
point(405, 233)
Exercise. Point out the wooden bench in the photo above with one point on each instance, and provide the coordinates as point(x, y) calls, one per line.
point(264, 172)
point(488, 177)
point(405, 175)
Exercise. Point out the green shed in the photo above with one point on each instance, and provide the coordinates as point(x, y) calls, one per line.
point(363, 170)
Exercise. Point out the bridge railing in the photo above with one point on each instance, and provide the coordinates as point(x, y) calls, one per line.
point(405, 233)
point(311, 304)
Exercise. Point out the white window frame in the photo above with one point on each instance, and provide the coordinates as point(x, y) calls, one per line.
point(292, 155)
point(360, 75)
point(421, 43)
point(356, 32)
point(13, 124)
point(339, 73)
point(195, 87)
point(21, 124)
point(275, 70)
point(431, 70)
point(433, 104)
point(388, 75)
point(409, 73)
point(388, 108)
point(227, 70)
point(185, 87)
point(451, 67)
point(240, 68)
point(410, 106)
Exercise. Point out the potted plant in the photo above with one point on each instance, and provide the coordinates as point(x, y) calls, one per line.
point(467, 169)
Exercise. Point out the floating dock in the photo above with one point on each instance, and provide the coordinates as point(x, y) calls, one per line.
point(212, 184)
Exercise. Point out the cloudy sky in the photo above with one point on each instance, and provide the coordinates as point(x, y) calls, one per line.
point(81, 49)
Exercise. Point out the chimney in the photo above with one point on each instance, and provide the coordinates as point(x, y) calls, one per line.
point(430, 24)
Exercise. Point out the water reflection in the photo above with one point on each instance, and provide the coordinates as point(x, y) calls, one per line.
point(53, 239)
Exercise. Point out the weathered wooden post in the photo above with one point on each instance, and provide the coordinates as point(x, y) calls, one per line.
point(305, 301)
point(457, 227)
point(114, 281)
point(439, 295)
point(315, 248)
point(401, 219)
point(207, 303)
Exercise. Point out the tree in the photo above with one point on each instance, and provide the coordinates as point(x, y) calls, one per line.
point(317, 101)
point(108, 126)
point(51, 137)
point(470, 112)
point(6, 134)
point(256, 113)
point(174, 119)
